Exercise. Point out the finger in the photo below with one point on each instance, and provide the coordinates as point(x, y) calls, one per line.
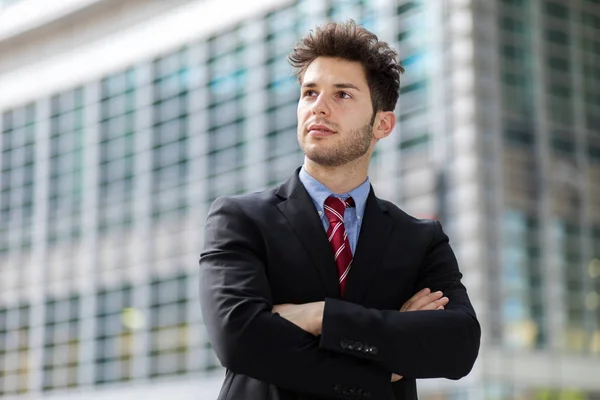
point(440, 308)
point(435, 304)
point(420, 294)
point(426, 301)
point(280, 307)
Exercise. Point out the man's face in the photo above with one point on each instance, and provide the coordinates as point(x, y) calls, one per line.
point(334, 112)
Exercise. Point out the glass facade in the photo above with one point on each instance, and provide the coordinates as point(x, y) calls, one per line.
point(226, 87)
point(170, 135)
point(116, 147)
point(62, 346)
point(551, 171)
point(14, 349)
point(17, 183)
point(169, 326)
point(66, 167)
point(414, 51)
point(217, 117)
point(116, 321)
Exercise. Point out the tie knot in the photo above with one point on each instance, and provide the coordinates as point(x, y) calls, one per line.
point(334, 208)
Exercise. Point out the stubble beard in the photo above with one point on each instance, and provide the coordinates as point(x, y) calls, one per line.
point(355, 145)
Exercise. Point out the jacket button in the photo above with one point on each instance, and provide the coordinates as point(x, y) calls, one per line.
point(358, 346)
point(343, 344)
point(337, 388)
point(374, 350)
point(352, 392)
point(367, 394)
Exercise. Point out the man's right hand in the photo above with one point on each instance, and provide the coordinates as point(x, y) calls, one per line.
point(423, 300)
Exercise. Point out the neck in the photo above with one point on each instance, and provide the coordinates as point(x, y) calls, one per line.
point(340, 179)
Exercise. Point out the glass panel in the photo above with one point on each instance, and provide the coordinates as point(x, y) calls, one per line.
point(17, 177)
point(168, 327)
point(170, 132)
point(116, 323)
point(523, 308)
point(66, 167)
point(61, 343)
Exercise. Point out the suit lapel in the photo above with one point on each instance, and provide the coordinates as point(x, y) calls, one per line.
point(374, 237)
point(299, 210)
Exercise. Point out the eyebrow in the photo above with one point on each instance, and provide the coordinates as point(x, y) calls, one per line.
point(337, 85)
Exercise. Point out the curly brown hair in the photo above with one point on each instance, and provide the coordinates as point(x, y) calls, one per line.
point(351, 42)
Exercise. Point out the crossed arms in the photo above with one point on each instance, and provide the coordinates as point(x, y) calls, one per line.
point(254, 337)
point(309, 316)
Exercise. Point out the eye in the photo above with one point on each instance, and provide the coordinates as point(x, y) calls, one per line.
point(308, 92)
point(344, 95)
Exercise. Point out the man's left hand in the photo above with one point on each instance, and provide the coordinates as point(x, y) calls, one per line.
point(307, 316)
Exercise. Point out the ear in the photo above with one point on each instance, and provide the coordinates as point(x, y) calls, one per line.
point(385, 122)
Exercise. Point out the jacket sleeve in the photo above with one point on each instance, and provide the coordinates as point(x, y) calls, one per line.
point(418, 344)
point(248, 338)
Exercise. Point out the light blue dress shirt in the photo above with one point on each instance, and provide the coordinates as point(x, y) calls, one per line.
point(353, 216)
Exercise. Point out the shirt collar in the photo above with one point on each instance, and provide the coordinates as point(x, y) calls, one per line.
point(319, 192)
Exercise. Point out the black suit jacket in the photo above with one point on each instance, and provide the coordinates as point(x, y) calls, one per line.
point(270, 248)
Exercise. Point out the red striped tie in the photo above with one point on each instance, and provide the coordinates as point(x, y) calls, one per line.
point(334, 211)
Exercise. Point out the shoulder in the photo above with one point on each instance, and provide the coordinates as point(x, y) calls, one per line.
point(249, 203)
point(409, 223)
point(400, 215)
point(237, 218)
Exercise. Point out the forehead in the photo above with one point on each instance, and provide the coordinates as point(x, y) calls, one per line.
point(331, 71)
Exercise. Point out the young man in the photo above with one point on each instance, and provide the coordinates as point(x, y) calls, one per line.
point(306, 288)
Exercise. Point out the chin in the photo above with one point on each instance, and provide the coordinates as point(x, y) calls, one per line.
point(317, 149)
point(322, 158)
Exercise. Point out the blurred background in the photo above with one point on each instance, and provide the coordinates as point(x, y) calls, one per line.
point(121, 121)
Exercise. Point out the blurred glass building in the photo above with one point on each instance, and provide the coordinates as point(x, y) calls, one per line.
point(121, 121)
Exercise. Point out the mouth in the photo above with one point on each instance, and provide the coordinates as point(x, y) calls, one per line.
point(320, 130)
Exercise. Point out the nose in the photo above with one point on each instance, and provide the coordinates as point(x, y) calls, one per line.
point(320, 106)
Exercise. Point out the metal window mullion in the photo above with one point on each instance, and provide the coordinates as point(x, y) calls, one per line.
point(142, 223)
point(36, 291)
point(252, 108)
point(582, 161)
point(440, 94)
point(388, 163)
point(493, 284)
point(88, 280)
point(553, 292)
point(2, 148)
point(196, 193)
point(14, 226)
point(459, 141)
